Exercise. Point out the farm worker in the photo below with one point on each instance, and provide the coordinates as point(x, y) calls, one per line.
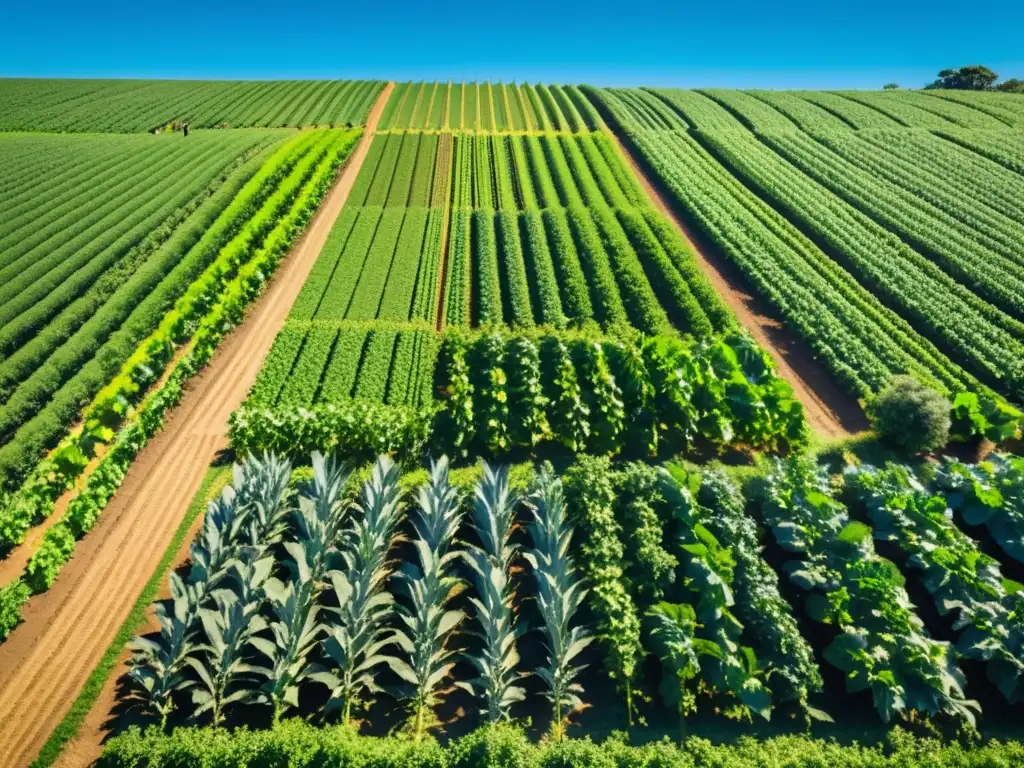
point(184, 128)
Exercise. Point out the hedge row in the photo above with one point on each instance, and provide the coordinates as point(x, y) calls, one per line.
point(296, 744)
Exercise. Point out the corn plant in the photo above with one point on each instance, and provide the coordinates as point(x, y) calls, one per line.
point(493, 521)
point(354, 645)
point(429, 586)
point(319, 521)
point(560, 593)
point(324, 493)
point(295, 632)
point(214, 545)
point(262, 483)
point(158, 664)
point(222, 675)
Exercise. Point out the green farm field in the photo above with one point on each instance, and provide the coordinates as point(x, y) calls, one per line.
point(583, 425)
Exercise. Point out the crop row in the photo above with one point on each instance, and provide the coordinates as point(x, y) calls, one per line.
point(978, 247)
point(520, 269)
point(130, 411)
point(860, 338)
point(511, 576)
point(86, 355)
point(625, 266)
point(494, 172)
point(50, 339)
point(1003, 147)
point(953, 169)
point(578, 264)
point(312, 363)
point(488, 107)
point(133, 106)
point(914, 662)
point(507, 392)
point(985, 341)
point(674, 109)
point(377, 263)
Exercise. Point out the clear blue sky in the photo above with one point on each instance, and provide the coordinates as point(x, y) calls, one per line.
point(799, 43)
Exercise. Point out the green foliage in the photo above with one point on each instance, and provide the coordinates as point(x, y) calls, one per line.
point(13, 597)
point(626, 395)
point(517, 285)
point(300, 744)
point(911, 416)
point(970, 78)
point(430, 585)
point(792, 673)
point(700, 637)
point(883, 645)
point(497, 625)
point(650, 567)
point(572, 283)
point(135, 106)
point(962, 580)
point(265, 221)
point(362, 428)
point(601, 556)
point(488, 309)
point(560, 595)
point(544, 285)
point(868, 304)
point(990, 493)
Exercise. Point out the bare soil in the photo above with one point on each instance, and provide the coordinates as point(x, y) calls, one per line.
point(47, 659)
point(831, 412)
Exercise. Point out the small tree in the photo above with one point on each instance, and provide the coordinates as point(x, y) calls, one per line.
point(910, 415)
point(1013, 85)
point(970, 78)
point(891, 87)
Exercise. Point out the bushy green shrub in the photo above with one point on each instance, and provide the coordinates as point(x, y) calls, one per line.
point(12, 597)
point(910, 415)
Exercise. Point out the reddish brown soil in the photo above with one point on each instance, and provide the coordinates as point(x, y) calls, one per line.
point(831, 412)
point(47, 659)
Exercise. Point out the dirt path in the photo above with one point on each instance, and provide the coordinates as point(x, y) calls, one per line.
point(831, 412)
point(46, 660)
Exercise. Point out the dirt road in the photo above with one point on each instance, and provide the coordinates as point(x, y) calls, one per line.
point(46, 660)
point(831, 412)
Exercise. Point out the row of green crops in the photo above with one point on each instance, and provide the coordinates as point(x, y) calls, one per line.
point(314, 363)
point(134, 106)
point(228, 263)
point(79, 306)
point(300, 744)
point(639, 268)
point(881, 644)
point(503, 172)
point(500, 393)
point(952, 256)
point(295, 595)
point(885, 316)
point(493, 594)
point(488, 107)
point(393, 269)
point(505, 392)
point(217, 303)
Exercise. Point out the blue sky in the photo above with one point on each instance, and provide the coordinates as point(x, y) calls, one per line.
point(739, 44)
